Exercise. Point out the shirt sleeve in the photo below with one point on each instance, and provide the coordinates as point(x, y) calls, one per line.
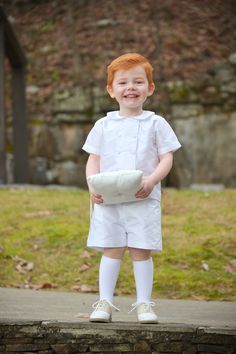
point(93, 142)
point(166, 138)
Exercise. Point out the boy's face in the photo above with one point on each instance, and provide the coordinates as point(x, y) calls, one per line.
point(130, 88)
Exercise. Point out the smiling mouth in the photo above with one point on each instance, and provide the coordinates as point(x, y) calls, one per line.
point(131, 96)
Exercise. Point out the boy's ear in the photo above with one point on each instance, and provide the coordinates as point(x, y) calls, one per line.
point(151, 89)
point(110, 91)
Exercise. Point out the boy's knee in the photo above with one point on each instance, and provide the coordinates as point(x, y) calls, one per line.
point(116, 253)
point(138, 254)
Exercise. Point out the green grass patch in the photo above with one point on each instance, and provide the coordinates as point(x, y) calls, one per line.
point(49, 229)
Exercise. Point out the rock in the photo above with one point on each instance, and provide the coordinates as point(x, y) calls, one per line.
point(224, 72)
point(210, 95)
point(38, 168)
point(180, 111)
point(102, 101)
point(69, 140)
point(232, 59)
point(68, 173)
point(78, 99)
point(72, 117)
point(32, 89)
point(42, 142)
point(230, 87)
point(207, 154)
point(105, 22)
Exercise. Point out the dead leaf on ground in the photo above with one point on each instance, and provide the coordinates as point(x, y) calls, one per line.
point(84, 267)
point(75, 287)
point(198, 297)
point(24, 267)
point(87, 289)
point(84, 288)
point(231, 267)
point(82, 315)
point(28, 285)
point(86, 254)
point(45, 286)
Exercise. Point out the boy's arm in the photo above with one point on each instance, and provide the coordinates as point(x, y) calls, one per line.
point(162, 170)
point(93, 167)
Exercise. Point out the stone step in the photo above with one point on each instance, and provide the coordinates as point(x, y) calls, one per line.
point(54, 322)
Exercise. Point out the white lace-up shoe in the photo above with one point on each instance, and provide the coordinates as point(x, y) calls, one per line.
point(102, 312)
point(145, 312)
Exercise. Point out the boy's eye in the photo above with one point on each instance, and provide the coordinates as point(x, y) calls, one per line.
point(121, 83)
point(139, 82)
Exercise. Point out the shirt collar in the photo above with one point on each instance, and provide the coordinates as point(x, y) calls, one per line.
point(116, 116)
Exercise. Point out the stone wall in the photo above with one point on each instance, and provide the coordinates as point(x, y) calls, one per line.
point(71, 338)
point(203, 114)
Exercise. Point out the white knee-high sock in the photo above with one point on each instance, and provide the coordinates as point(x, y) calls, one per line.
point(143, 274)
point(108, 274)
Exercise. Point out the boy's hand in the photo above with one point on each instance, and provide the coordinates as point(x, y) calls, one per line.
point(147, 187)
point(96, 198)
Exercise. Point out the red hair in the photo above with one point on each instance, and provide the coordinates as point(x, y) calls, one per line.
point(126, 62)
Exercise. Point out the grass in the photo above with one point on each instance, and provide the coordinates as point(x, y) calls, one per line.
point(49, 228)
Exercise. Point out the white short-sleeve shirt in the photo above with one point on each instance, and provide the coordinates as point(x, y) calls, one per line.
point(131, 143)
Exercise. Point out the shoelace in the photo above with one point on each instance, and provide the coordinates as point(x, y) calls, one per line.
point(147, 305)
point(98, 304)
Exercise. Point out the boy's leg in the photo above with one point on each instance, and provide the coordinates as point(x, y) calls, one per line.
point(143, 273)
point(109, 271)
point(108, 274)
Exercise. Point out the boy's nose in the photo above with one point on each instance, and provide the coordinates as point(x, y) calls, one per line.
point(130, 86)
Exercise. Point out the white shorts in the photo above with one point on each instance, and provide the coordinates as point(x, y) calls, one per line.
point(136, 225)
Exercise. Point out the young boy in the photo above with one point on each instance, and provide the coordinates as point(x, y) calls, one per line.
point(129, 139)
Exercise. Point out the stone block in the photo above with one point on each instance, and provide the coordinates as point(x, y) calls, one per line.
point(211, 348)
point(205, 161)
point(20, 348)
point(69, 348)
point(77, 99)
point(169, 346)
point(142, 346)
point(229, 87)
point(232, 59)
point(102, 102)
point(46, 144)
point(224, 72)
point(106, 347)
point(69, 139)
point(38, 169)
point(68, 173)
point(186, 111)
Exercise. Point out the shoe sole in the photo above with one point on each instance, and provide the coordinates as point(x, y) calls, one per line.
point(150, 322)
point(103, 320)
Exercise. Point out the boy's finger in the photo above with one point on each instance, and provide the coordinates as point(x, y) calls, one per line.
point(97, 199)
